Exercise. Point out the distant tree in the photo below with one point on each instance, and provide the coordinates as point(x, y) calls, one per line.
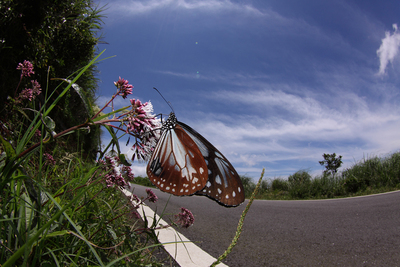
point(331, 163)
point(60, 36)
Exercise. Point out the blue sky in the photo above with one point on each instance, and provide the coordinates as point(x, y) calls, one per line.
point(271, 84)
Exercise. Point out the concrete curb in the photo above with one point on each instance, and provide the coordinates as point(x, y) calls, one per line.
point(185, 252)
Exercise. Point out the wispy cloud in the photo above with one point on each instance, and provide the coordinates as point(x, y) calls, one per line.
point(142, 7)
point(389, 49)
point(267, 84)
point(279, 122)
point(266, 137)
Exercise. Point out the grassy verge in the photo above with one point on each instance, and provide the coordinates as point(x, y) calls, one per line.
point(368, 176)
point(143, 181)
point(59, 208)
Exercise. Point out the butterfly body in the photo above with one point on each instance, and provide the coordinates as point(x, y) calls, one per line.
point(185, 163)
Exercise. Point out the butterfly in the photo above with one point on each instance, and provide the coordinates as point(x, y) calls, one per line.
point(185, 163)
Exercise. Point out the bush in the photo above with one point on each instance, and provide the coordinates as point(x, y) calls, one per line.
point(299, 184)
point(279, 184)
point(142, 181)
point(248, 185)
point(326, 186)
point(352, 184)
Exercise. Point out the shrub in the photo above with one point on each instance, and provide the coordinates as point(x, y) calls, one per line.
point(352, 184)
point(142, 181)
point(299, 184)
point(248, 185)
point(280, 184)
point(326, 186)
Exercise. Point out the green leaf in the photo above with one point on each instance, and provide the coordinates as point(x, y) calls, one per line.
point(112, 232)
point(50, 126)
point(8, 148)
point(114, 139)
point(57, 233)
point(79, 91)
point(122, 158)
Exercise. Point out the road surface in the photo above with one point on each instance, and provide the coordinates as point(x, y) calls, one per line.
point(361, 231)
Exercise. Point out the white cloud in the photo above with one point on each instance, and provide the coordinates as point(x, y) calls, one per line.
point(141, 7)
point(351, 114)
point(265, 137)
point(389, 49)
point(139, 169)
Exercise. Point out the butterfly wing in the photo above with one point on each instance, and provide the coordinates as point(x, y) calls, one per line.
point(224, 184)
point(177, 165)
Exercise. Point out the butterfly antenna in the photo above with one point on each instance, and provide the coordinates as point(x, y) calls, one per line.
point(169, 103)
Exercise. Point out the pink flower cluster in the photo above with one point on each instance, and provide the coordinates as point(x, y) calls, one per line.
point(26, 68)
point(49, 159)
point(185, 218)
point(151, 196)
point(116, 175)
point(141, 122)
point(140, 119)
point(124, 88)
point(30, 93)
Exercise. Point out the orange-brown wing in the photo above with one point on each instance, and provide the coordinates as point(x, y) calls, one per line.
point(177, 165)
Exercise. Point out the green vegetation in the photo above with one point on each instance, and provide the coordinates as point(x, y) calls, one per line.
point(369, 176)
point(57, 207)
point(61, 207)
point(61, 203)
point(143, 181)
point(58, 38)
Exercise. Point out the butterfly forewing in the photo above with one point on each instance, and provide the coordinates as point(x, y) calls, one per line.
point(224, 184)
point(177, 165)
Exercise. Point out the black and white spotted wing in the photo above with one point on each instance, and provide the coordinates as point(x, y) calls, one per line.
point(224, 184)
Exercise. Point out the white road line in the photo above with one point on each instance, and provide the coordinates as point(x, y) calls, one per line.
point(185, 253)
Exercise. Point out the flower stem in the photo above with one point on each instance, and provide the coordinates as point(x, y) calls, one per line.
point(240, 225)
point(74, 128)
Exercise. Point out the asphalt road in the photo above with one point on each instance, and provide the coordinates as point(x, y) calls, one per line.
point(361, 231)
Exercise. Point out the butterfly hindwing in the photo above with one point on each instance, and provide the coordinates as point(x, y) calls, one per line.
point(177, 165)
point(224, 184)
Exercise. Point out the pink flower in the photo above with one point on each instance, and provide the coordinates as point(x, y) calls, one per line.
point(26, 68)
point(117, 174)
point(124, 87)
point(127, 172)
point(36, 88)
point(185, 218)
point(38, 133)
point(29, 93)
point(49, 159)
point(142, 123)
point(151, 196)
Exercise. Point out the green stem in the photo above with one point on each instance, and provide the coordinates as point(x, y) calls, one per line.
point(74, 128)
point(240, 224)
